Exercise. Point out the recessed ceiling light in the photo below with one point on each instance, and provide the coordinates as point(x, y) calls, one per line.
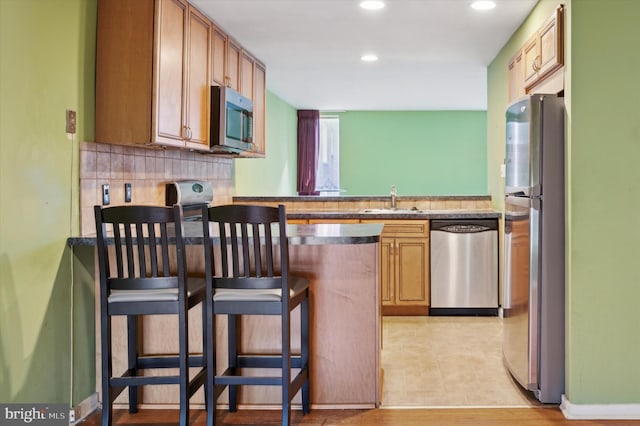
point(483, 5)
point(372, 4)
point(369, 57)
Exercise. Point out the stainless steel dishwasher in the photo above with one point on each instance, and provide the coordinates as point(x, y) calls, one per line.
point(464, 267)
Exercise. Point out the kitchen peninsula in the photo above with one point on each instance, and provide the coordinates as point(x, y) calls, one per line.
point(342, 263)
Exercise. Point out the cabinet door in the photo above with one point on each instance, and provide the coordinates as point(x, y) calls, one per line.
point(387, 270)
point(169, 68)
point(544, 52)
point(531, 53)
point(218, 56)
point(297, 221)
point(516, 77)
point(232, 65)
point(124, 100)
point(198, 92)
point(412, 276)
point(259, 109)
point(551, 51)
point(246, 75)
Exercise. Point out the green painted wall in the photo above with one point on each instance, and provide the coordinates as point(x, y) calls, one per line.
point(421, 152)
point(603, 183)
point(275, 174)
point(47, 67)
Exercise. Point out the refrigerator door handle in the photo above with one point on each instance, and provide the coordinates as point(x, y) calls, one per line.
point(534, 292)
point(506, 298)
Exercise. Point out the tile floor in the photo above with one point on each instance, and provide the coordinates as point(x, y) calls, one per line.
point(446, 361)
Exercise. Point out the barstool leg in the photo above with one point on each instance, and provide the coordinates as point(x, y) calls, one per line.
point(304, 354)
point(107, 369)
point(183, 361)
point(132, 352)
point(232, 329)
point(286, 365)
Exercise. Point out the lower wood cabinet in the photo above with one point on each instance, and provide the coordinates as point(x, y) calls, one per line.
point(297, 221)
point(404, 267)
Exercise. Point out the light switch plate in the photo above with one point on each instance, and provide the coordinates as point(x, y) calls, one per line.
point(71, 121)
point(106, 198)
point(127, 192)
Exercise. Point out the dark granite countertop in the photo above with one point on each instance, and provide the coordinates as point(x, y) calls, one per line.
point(398, 214)
point(298, 234)
point(243, 199)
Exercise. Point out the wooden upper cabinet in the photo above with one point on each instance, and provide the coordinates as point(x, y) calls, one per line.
point(544, 52)
point(155, 63)
point(198, 90)
point(232, 68)
point(124, 95)
point(219, 56)
point(516, 77)
point(259, 109)
point(152, 81)
point(246, 74)
point(169, 72)
point(552, 43)
point(537, 65)
point(226, 56)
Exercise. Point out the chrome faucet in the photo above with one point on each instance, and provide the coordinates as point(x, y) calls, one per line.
point(393, 196)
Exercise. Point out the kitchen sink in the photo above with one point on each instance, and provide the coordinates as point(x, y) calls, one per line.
point(390, 210)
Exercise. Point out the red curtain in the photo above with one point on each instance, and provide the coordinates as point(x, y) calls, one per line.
point(308, 139)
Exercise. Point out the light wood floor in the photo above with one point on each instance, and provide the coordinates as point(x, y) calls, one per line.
point(378, 417)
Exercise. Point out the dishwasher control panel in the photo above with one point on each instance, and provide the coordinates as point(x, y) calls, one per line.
point(464, 226)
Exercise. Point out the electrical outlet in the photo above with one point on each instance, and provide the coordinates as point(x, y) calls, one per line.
point(127, 192)
point(106, 198)
point(72, 416)
point(71, 121)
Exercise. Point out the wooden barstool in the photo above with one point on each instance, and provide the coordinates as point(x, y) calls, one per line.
point(142, 268)
point(252, 278)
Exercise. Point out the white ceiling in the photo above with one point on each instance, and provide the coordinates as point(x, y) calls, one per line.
point(433, 53)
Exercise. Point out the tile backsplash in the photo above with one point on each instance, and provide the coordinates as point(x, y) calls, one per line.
point(147, 170)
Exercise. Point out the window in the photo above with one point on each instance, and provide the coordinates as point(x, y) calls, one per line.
point(328, 171)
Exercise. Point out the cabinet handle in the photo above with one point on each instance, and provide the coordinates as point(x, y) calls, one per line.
point(537, 63)
point(186, 133)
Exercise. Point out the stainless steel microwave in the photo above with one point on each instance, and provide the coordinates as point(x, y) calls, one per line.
point(231, 121)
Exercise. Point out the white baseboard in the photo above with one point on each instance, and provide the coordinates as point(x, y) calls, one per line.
point(86, 407)
point(599, 411)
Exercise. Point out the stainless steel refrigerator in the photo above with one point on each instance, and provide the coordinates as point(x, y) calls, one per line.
point(534, 277)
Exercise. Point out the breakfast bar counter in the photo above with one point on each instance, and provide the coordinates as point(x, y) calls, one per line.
point(341, 260)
